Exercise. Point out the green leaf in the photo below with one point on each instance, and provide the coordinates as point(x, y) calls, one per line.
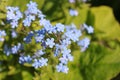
point(2, 15)
point(26, 75)
point(100, 63)
point(3, 4)
point(106, 26)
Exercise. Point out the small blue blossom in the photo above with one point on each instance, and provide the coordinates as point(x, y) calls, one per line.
point(50, 42)
point(62, 68)
point(57, 50)
point(39, 53)
point(29, 37)
point(43, 22)
point(32, 8)
point(63, 60)
point(31, 13)
point(66, 42)
point(69, 57)
point(89, 29)
point(14, 24)
point(27, 21)
point(73, 12)
point(72, 33)
point(72, 1)
point(14, 34)
point(40, 15)
point(14, 14)
point(39, 38)
point(2, 39)
point(66, 54)
point(43, 44)
point(41, 32)
point(47, 25)
point(2, 35)
point(25, 59)
point(60, 27)
point(84, 43)
point(7, 50)
point(10, 13)
point(40, 62)
point(16, 48)
point(65, 51)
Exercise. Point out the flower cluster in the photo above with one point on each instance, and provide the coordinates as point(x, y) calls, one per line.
point(53, 39)
point(13, 15)
point(13, 50)
point(31, 13)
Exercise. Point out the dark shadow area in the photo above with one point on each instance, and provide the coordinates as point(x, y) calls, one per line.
point(116, 77)
point(114, 4)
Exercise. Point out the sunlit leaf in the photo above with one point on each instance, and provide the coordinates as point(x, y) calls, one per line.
point(106, 26)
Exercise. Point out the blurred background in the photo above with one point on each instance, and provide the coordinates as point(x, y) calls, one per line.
point(101, 61)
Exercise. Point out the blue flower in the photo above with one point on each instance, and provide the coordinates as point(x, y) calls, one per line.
point(50, 42)
point(89, 29)
point(32, 8)
point(29, 37)
point(39, 38)
point(14, 34)
point(2, 35)
point(84, 43)
point(27, 22)
point(39, 53)
point(25, 59)
point(2, 39)
point(57, 50)
point(69, 57)
point(73, 12)
point(14, 14)
point(66, 42)
point(40, 62)
point(65, 35)
point(72, 33)
point(7, 50)
point(60, 27)
point(41, 32)
point(63, 60)
point(40, 15)
point(66, 54)
point(16, 48)
point(65, 51)
point(47, 25)
point(31, 13)
point(62, 68)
